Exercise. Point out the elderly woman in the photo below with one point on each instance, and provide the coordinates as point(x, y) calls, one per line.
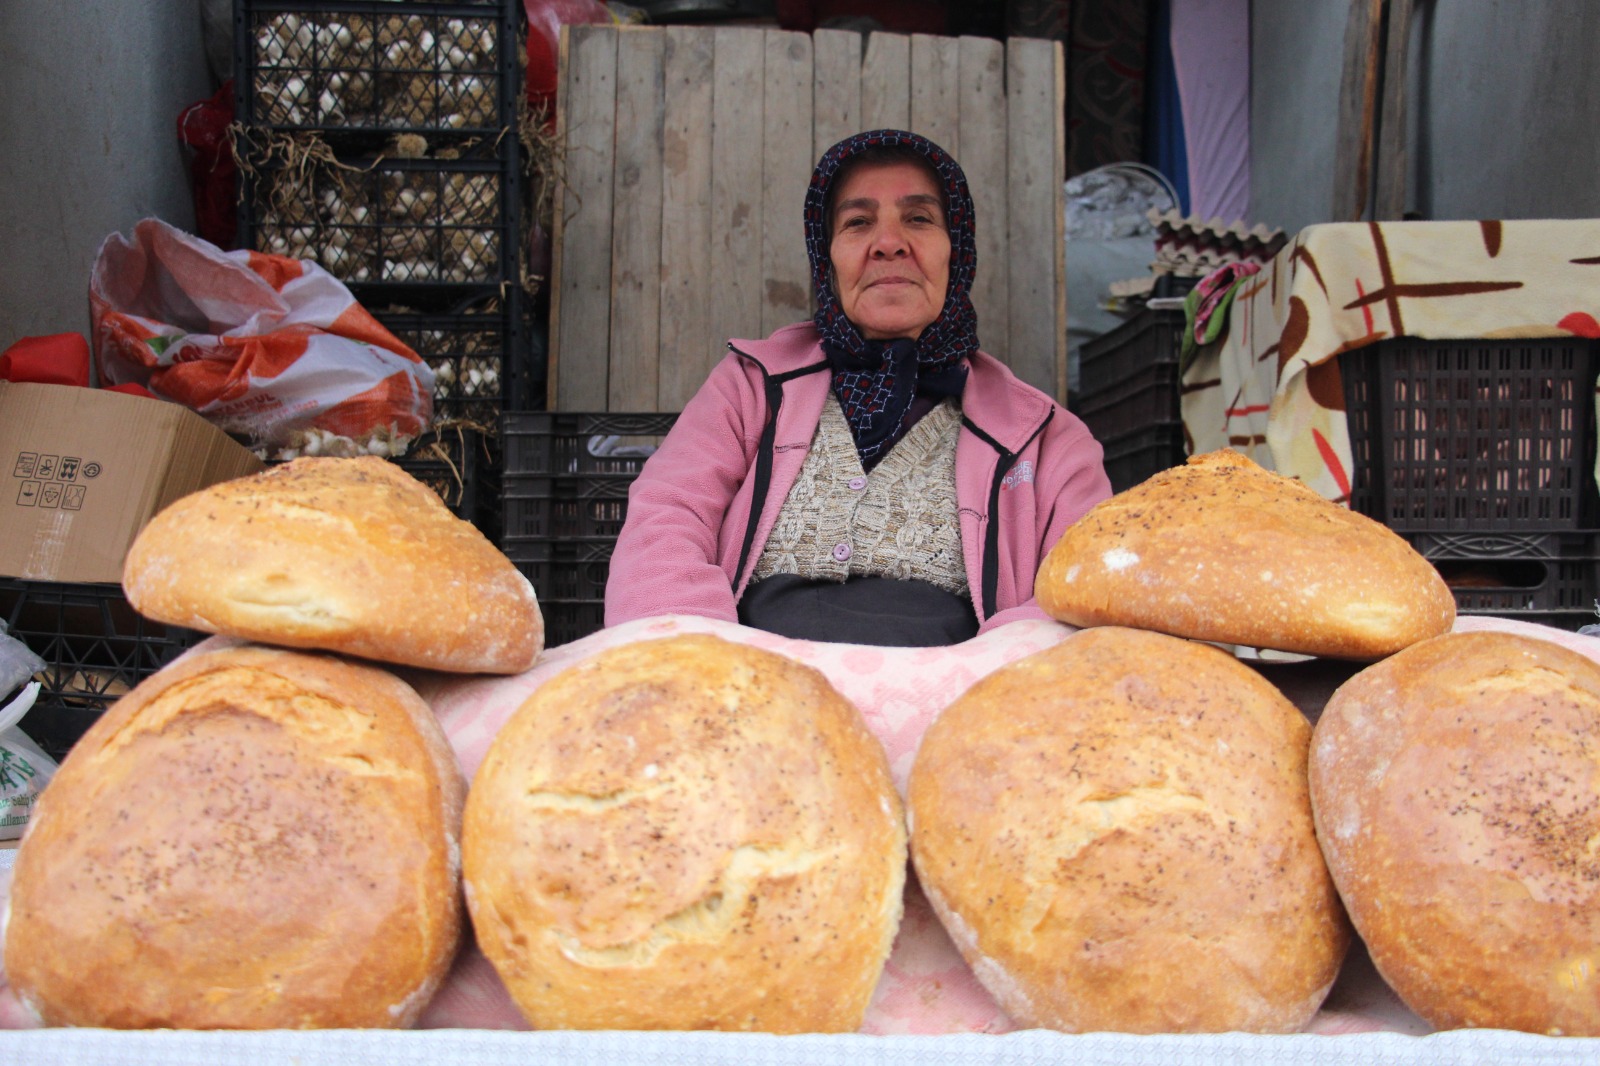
point(869, 476)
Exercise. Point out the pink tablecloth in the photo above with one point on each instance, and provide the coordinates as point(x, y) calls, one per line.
point(926, 989)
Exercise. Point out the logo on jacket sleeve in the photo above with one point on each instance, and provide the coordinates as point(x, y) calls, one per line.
point(1021, 474)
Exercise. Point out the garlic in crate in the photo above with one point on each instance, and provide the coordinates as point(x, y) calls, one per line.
point(284, 40)
point(329, 108)
point(480, 377)
point(472, 255)
point(469, 44)
point(467, 100)
point(410, 270)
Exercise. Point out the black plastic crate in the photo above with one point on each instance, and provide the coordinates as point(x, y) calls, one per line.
point(95, 646)
point(1552, 577)
point(449, 462)
point(1131, 458)
point(574, 443)
point(1147, 397)
point(438, 69)
point(569, 577)
point(586, 505)
point(469, 348)
point(1146, 346)
point(564, 497)
point(1474, 435)
point(408, 223)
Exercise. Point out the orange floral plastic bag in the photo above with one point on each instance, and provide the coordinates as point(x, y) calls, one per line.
point(272, 349)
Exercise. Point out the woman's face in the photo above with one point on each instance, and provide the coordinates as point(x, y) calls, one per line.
point(890, 251)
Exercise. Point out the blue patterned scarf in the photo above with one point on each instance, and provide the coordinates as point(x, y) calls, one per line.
point(876, 381)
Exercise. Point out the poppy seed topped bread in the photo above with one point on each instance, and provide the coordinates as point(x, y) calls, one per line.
point(1456, 787)
point(347, 555)
point(1222, 550)
point(1116, 832)
point(686, 833)
point(253, 838)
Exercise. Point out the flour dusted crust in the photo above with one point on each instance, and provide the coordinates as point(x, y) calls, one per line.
point(1117, 834)
point(253, 838)
point(346, 555)
point(1220, 549)
point(686, 833)
point(1456, 787)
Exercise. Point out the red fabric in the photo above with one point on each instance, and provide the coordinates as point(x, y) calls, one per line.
point(54, 359)
point(902, 16)
point(545, 19)
point(130, 389)
point(203, 129)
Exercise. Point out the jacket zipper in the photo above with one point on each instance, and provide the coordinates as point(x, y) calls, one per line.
point(773, 389)
point(991, 533)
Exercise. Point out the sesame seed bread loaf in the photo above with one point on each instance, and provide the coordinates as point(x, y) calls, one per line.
point(686, 833)
point(347, 555)
point(1117, 835)
point(1221, 550)
point(253, 838)
point(1456, 787)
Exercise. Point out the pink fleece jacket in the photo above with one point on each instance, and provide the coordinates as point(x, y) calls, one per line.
point(1025, 470)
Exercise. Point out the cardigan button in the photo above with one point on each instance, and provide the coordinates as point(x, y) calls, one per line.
point(841, 552)
point(858, 483)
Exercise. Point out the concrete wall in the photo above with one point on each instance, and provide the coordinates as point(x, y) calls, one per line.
point(1504, 109)
point(90, 92)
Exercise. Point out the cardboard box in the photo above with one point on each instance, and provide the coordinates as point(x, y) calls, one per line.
point(85, 469)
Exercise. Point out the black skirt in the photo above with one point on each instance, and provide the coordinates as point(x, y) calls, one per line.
point(863, 610)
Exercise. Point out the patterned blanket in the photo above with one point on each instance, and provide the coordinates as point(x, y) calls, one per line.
point(1272, 388)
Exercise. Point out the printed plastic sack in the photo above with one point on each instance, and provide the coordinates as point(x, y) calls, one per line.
point(24, 767)
point(273, 349)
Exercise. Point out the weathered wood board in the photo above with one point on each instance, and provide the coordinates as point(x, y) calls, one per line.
point(687, 151)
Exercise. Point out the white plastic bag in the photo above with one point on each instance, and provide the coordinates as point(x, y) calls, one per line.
point(24, 767)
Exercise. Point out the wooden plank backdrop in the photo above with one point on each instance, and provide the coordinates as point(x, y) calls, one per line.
point(688, 151)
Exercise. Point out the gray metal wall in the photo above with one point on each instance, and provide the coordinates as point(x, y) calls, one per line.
point(1504, 105)
point(90, 92)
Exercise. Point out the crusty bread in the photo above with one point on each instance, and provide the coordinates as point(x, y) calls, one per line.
point(1117, 835)
point(1220, 549)
point(346, 555)
point(253, 838)
point(1456, 788)
point(686, 833)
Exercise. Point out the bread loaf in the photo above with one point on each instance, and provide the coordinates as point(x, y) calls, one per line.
point(1116, 833)
point(253, 838)
point(1456, 787)
point(686, 833)
point(346, 555)
point(1221, 550)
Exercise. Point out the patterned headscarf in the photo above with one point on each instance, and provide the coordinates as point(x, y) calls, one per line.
point(876, 380)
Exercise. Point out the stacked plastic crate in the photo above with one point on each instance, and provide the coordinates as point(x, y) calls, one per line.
point(95, 648)
point(1481, 453)
point(380, 141)
point(1128, 395)
point(564, 498)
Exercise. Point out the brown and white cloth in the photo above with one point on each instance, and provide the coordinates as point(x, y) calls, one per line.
point(1272, 388)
